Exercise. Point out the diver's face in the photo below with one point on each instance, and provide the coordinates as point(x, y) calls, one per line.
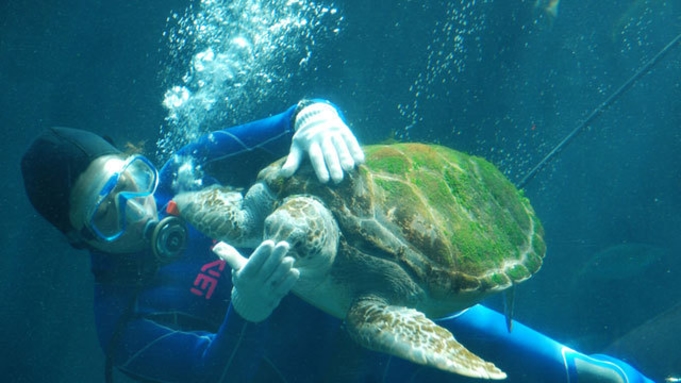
point(112, 202)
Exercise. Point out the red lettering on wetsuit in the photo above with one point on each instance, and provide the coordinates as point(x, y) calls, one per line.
point(207, 280)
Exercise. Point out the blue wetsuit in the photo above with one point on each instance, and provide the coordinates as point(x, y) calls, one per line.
point(174, 323)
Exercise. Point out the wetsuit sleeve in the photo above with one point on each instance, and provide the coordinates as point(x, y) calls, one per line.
point(527, 355)
point(234, 155)
point(270, 137)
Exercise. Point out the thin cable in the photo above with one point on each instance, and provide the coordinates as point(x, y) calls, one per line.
point(596, 112)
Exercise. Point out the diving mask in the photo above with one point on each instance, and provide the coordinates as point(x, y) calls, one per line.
point(123, 198)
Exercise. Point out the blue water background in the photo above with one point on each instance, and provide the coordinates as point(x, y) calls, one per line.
point(610, 202)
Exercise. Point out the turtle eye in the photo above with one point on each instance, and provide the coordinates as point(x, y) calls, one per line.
point(296, 245)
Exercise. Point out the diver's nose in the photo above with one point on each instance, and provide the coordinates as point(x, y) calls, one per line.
point(138, 209)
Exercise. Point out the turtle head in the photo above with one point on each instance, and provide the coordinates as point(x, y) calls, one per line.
point(311, 231)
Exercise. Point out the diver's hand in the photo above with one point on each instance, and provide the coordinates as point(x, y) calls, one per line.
point(328, 141)
point(261, 280)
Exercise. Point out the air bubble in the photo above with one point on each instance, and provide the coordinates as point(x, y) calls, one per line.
point(242, 53)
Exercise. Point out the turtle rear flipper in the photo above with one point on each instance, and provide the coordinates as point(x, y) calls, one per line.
point(407, 333)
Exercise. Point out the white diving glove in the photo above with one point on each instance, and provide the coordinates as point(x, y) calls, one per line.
point(262, 280)
point(328, 141)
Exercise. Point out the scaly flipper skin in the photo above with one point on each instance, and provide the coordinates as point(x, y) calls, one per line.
point(407, 333)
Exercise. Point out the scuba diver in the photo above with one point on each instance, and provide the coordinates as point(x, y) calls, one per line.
point(168, 310)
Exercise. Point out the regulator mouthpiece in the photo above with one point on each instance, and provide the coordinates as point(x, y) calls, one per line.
point(168, 238)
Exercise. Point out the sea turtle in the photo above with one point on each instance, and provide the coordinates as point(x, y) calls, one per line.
point(417, 232)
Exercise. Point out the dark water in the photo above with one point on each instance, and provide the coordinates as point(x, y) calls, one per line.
point(504, 80)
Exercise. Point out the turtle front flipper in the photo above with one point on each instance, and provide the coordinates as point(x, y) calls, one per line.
point(407, 333)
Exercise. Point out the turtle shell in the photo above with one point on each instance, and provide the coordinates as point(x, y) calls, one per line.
point(453, 221)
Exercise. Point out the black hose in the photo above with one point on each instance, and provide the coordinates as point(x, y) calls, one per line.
point(596, 112)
